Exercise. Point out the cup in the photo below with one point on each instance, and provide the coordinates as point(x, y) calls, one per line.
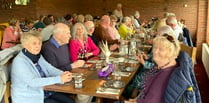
point(122, 50)
point(78, 81)
point(98, 65)
point(117, 72)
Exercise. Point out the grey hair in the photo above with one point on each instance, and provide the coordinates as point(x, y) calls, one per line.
point(88, 17)
point(89, 25)
point(57, 30)
point(119, 5)
point(166, 30)
point(80, 18)
point(126, 19)
point(25, 37)
point(173, 47)
point(172, 20)
point(74, 29)
point(166, 14)
point(60, 19)
point(136, 13)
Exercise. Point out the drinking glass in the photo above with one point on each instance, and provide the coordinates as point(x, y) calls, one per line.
point(117, 72)
point(78, 81)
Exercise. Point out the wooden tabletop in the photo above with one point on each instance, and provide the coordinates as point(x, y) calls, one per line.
point(90, 86)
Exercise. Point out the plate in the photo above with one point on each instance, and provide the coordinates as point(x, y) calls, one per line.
point(118, 84)
point(127, 69)
point(133, 61)
point(114, 84)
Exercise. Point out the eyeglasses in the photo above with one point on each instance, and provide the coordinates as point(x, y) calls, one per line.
point(169, 38)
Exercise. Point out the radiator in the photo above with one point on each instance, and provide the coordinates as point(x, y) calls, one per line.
point(205, 57)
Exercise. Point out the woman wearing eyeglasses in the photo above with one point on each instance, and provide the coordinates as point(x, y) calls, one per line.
point(172, 79)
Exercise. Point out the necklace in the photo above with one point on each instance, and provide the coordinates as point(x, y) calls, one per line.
point(161, 67)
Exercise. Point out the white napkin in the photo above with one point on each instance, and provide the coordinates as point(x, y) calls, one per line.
point(105, 68)
point(125, 74)
point(107, 90)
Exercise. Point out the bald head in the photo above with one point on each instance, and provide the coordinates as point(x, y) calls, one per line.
point(89, 27)
point(61, 33)
point(171, 21)
point(59, 27)
point(166, 30)
point(119, 5)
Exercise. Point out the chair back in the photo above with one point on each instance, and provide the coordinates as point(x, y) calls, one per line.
point(7, 93)
point(190, 50)
point(2, 28)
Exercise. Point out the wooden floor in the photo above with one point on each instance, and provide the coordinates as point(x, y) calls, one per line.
point(202, 80)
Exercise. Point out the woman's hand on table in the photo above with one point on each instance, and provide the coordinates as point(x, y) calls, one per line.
point(78, 63)
point(66, 77)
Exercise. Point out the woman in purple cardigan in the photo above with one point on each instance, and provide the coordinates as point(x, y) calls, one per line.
point(81, 46)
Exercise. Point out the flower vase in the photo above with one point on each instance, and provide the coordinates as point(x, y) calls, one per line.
point(107, 59)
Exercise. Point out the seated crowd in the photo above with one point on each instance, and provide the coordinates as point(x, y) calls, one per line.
point(69, 41)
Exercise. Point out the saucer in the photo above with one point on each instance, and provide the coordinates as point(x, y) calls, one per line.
point(114, 84)
point(127, 69)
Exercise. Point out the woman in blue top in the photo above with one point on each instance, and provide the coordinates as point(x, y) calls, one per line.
point(30, 73)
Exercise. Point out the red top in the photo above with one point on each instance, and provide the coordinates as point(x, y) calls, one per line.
point(75, 46)
point(10, 36)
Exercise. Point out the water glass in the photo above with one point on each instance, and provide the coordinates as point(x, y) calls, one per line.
point(98, 65)
point(78, 81)
point(117, 72)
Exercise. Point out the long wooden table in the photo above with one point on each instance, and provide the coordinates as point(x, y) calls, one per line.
point(91, 85)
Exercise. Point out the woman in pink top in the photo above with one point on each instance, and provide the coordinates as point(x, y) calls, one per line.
point(81, 46)
point(11, 34)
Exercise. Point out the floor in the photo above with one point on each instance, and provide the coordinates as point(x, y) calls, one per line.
point(202, 79)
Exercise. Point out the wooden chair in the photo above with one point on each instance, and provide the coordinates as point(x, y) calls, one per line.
point(190, 50)
point(7, 93)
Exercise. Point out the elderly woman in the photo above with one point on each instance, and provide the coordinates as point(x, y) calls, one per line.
point(81, 46)
point(11, 34)
point(30, 73)
point(147, 62)
point(29, 23)
point(126, 28)
point(114, 25)
point(171, 79)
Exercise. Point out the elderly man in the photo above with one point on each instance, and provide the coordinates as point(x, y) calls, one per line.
point(172, 22)
point(118, 12)
point(56, 51)
point(90, 30)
